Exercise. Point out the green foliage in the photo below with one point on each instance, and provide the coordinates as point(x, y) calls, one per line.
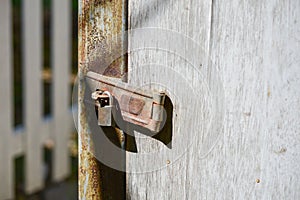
point(16, 2)
point(74, 4)
point(46, 3)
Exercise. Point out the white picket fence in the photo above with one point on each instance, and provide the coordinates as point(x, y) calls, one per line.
point(29, 140)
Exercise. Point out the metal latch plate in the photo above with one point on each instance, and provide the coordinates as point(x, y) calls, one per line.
point(138, 106)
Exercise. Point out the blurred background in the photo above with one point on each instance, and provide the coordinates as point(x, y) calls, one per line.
point(38, 67)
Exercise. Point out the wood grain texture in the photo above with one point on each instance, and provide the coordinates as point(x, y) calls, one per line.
point(256, 48)
point(99, 22)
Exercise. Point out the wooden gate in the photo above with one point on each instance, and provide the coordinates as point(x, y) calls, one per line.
point(28, 141)
point(236, 131)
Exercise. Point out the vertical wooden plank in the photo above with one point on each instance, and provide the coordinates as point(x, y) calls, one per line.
point(32, 95)
point(190, 18)
point(6, 167)
point(61, 48)
point(88, 175)
point(100, 23)
point(256, 47)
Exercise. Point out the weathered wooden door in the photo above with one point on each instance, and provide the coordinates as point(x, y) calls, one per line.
point(232, 72)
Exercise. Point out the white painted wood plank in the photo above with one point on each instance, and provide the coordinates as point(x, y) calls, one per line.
point(61, 47)
point(47, 129)
point(256, 47)
point(6, 167)
point(265, 45)
point(17, 141)
point(32, 35)
point(189, 18)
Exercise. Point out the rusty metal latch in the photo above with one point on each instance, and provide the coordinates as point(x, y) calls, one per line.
point(138, 106)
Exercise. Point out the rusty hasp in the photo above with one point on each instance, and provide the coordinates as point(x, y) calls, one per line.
point(138, 106)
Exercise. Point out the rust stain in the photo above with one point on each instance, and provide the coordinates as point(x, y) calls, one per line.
point(105, 39)
point(87, 163)
point(135, 105)
point(98, 22)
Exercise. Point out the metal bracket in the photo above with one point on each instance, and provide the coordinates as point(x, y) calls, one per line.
point(140, 107)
